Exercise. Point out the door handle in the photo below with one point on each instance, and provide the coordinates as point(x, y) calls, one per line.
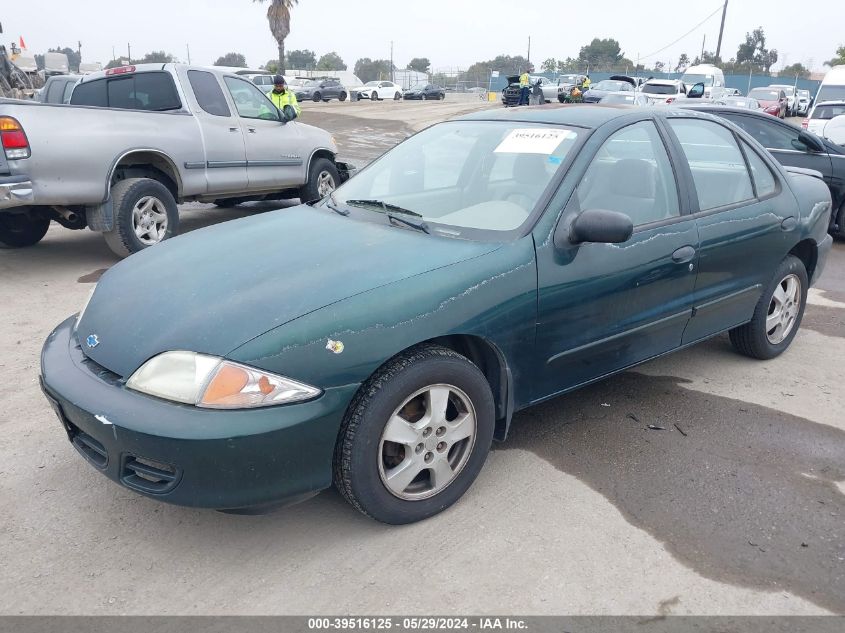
point(234, 129)
point(251, 130)
point(789, 223)
point(683, 255)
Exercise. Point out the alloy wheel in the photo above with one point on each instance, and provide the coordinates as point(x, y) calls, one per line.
point(149, 220)
point(325, 184)
point(427, 442)
point(784, 308)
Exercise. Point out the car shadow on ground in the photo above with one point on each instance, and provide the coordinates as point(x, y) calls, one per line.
point(741, 493)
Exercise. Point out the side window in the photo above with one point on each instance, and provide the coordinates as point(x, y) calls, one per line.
point(764, 179)
point(68, 91)
point(769, 134)
point(631, 173)
point(54, 91)
point(208, 92)
point(718, 167)
point(145, 91)
point(250, 102)
point(90, 93)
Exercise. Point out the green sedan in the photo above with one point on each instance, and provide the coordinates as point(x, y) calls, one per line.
point(381, 338)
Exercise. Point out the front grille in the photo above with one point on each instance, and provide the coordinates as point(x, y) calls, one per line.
point(148, 475)
point(90, 448)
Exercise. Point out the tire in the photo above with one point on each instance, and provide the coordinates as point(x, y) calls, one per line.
point(397, 96)
point(758, 339)
point(317, 97)
point(373, 96)
point(442, 96)
point(315, 189)
point(342, 96)
point(141, 204)
point(19, 230)
point(840, 220)
point(366, 463)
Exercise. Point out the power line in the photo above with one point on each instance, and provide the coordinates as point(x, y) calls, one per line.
point(719, 8)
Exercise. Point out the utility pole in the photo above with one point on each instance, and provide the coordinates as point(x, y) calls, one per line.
point(188, 47)
point(113, 55)
point(392, 75)
point(529, 51)
point(128, 53)
point(721, 30)
point(79, 50)
point(703, 39)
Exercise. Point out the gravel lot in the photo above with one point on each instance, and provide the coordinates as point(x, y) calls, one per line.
point(737, 507)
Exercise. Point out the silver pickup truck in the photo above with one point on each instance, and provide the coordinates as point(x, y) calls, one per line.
point(136, 140)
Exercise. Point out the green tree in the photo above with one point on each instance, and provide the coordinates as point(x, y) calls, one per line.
point(839, 60)
point(372, 69)
point(795, 69)
point(753, 53)
point(549, 65)
point(659, 67)
point(420, 64)
point(683, 63)
point(278, 16)
point(568, 65)
point(479, 72)
point(156, 57)
point(271, 66)
point(602, 54)
point(300, 60)
point(232, 59)
point(120, 61)
point(331, 61)
point(73, 58)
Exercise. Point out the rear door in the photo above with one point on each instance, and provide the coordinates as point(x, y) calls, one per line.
point(274, 149)
point(745, 224)
point(223, 139)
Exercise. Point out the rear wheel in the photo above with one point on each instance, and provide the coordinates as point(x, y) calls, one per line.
point(18, 230)
point(323, 178)
point(374, 96)
point(415, 436)
point(840, 220)
point(145, 214)
point(317, 97)
point(778, 314)
point(397, 96)
point(342, 96)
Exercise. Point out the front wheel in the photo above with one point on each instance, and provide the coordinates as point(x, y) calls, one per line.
point(778, 314)
point(397, 96)
point(374, 96)
point(342, 96)
point(415, 436)
point(323, 178)
point(18, 230)
point(145, 214)
point(317, 97)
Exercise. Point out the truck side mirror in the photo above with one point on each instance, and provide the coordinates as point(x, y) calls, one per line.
point(696, 92)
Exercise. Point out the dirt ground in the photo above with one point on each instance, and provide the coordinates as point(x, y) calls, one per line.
point(737, 506)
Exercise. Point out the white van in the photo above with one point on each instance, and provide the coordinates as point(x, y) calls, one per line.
point(711, 76)
point(832, 87)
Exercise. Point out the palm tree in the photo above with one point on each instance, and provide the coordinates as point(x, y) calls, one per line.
point(278, 15)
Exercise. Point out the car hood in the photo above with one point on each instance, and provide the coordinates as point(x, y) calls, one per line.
point(217, 288)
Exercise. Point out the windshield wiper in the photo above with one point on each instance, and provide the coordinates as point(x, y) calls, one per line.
point(333, 206)
point(420, 226)
point(384, 205)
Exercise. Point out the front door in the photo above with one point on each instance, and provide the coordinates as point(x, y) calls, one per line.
point(274, 149)
point(603, 307)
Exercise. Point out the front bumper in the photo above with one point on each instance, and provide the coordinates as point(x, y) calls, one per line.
point(185, 455)
point(15, 191)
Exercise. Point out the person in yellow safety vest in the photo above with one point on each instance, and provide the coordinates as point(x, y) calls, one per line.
point(281, 96)
point(587, 83)
point(524, 88)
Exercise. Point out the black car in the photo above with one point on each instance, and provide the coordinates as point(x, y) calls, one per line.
point(321, 90)
point(426, 91)
point(791, 146)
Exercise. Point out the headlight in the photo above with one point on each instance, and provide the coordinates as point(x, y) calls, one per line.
point(84, 307)
point(214, 383)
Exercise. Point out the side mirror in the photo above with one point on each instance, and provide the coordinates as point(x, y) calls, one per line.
point(696, 92)
point(288, 113)
point(601, 226)
point(834, 131)
point(811, 141)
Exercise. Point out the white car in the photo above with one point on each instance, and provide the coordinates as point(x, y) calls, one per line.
point(380, 90)
point(549, 88)
point(791, 98)
point(821, 114)
point(803, 102)
point(663, 91)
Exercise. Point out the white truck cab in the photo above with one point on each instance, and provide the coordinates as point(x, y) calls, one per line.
point(711, 76)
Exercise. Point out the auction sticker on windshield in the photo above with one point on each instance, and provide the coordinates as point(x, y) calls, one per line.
point(533, 141)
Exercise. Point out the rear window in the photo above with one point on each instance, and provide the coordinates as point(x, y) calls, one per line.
point(831, 93)
point(658, 89)
point(764, 95)
point(154, 91)
point(828, 111)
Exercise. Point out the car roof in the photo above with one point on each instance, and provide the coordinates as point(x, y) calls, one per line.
point(664, 82)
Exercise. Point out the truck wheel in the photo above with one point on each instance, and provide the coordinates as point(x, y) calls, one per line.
point(342, 96)
point(778, 314)
point(415, 436)
point(145, 214)
point(317, 97)
point(18, 230)
point(323, 178)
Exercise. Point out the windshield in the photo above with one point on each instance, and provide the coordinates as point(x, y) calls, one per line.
point(615, 98)
point(482, 175)
point(831, 93)
point(828, 110)
point(613, 86)
point(789, 90)
point(762, 94)
point(660, 89)
point(311, 83)
point(691, 79)
point(371, 83)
